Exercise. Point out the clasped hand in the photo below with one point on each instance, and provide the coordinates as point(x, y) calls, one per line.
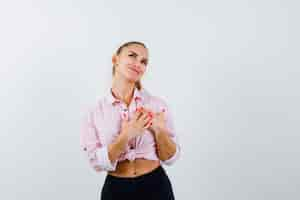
point(142, 120)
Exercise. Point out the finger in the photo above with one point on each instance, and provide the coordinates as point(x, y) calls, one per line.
point(137, 114)
point(139, 108)
point(147, 110)
point(147, 120)
point(151, 114)
point(162, 113)
point(148, 124)
point(145, 116)
point(142, 115)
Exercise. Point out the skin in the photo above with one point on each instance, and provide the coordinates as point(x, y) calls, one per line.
point(131, 64)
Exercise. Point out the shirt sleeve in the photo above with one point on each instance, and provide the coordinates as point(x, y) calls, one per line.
point(93, 147)
point(172, 133)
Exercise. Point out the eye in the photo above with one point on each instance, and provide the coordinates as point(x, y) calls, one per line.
point(132, 55)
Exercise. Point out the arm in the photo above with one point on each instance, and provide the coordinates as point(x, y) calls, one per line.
point(166, 148)
point(116, 148)
point(101, 157)
point(105, 156)
point(129, 129)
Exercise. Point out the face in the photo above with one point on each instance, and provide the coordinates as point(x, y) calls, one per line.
point(131, 62)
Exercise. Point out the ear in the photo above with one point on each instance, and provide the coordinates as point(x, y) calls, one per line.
point(114, 59)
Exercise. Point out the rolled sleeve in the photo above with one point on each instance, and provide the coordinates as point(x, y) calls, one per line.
point(94, 148)
point(175, 157)
point(103, 159)
point(172, 133)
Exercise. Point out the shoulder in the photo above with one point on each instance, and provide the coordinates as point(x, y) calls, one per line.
point(161, 103)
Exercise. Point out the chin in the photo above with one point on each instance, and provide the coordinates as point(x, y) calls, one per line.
point(132, 78)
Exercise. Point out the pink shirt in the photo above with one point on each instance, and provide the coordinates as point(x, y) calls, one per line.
point(102, 123)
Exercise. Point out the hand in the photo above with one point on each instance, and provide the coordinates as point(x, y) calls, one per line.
point(158, 122)
point(140, 121)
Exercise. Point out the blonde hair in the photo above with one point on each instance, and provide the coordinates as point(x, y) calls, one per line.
point(138, 84)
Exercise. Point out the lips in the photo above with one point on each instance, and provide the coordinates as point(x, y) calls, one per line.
point(135, 70)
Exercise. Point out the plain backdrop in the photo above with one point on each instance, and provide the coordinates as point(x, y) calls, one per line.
point(229, 70)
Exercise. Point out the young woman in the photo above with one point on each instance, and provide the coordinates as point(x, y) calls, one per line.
point(130, 134)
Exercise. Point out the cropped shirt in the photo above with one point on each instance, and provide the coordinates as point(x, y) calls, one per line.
point(101, 125)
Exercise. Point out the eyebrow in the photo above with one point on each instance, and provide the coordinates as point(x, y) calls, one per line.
point(137, 54)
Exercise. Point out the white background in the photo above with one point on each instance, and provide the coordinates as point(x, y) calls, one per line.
point(228, 69)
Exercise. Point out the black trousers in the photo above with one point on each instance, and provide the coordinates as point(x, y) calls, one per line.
point(154, 185)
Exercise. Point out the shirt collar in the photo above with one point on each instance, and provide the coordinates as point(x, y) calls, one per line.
point(137, 96)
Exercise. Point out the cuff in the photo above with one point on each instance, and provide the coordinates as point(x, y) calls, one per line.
point(103, 159)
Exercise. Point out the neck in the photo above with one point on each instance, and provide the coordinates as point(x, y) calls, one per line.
point(122, 89)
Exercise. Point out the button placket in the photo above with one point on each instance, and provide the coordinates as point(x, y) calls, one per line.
point(125, 116)
point(133, 142)
point(138, 104)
